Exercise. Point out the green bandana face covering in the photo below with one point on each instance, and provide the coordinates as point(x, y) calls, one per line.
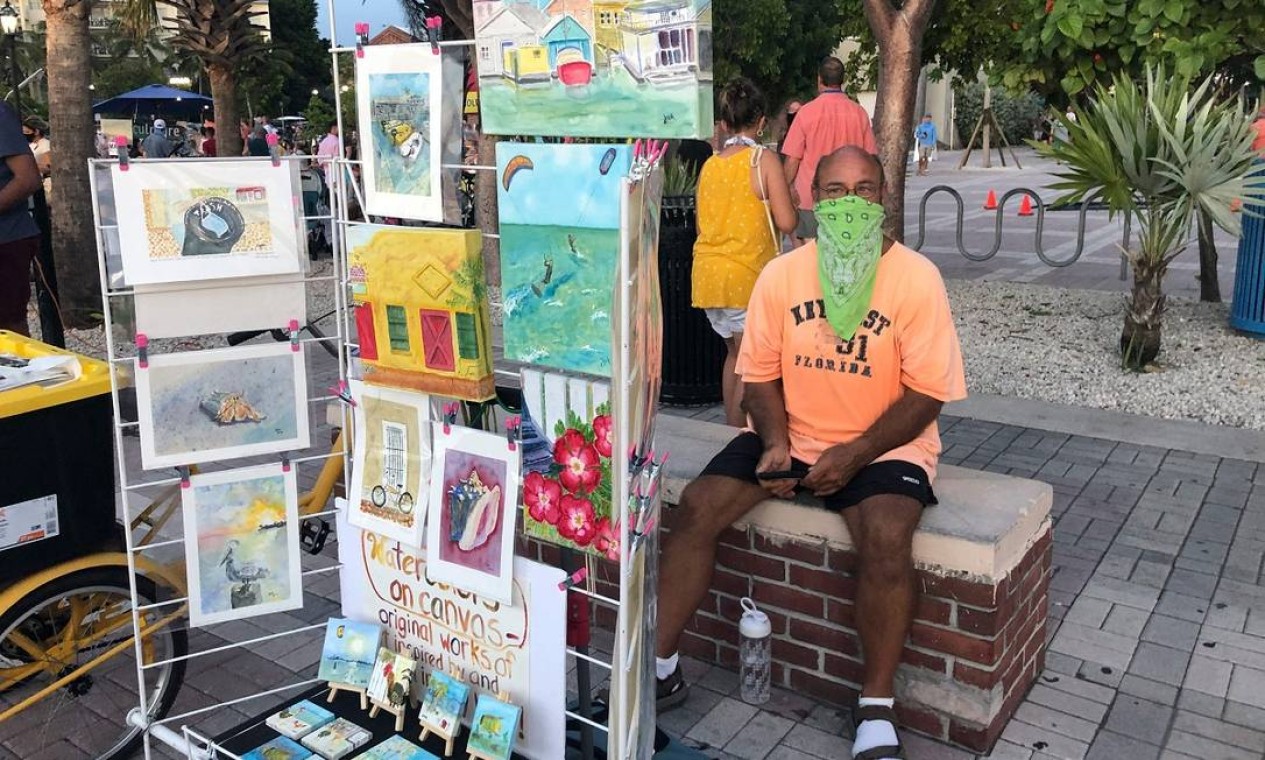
point(849, 244)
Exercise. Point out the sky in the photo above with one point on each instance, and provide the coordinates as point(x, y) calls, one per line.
point(379, 14)
point(566, 188)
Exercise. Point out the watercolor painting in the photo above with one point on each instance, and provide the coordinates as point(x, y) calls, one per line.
point(391, 461)
point(351, 647)
point(281, 748)
point(223, 403)
point(473, 509)
point(299, 719)
point(494, 728)
point(399, 95)
point(242, 551)
point(559, 217)
point(338, 739)
point(421, 309)
point(567, 486)
point(444, 703)
point(595, 68)
point(392, 681)
point(397, 748)
point(208, 220)
point(640, 249)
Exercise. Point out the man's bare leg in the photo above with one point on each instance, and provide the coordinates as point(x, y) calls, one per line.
point(883, 528)
point(709, 505)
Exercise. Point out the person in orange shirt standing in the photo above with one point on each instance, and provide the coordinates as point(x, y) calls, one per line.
point(849, 353)
point(829, 122)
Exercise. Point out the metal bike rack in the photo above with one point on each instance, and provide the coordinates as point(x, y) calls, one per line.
point(1039, 207)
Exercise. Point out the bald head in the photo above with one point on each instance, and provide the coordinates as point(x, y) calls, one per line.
point(849, 170)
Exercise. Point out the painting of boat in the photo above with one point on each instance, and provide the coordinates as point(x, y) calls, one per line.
point(573, 69)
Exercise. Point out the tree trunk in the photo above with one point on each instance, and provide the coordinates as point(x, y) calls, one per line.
point(70, 120)
point(228, 140)
point(1143, 320)
point(899, 35)
point(1209, 283)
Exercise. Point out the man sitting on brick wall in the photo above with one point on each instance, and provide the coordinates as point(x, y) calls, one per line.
point(849, 353)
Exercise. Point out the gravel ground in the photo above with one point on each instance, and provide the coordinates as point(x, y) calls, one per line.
point(1028, 341)
point(1061, 346)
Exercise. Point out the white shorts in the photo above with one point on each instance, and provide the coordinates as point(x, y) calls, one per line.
point(726, 322)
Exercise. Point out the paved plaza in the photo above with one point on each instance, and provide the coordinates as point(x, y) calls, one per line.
point(1157, 617)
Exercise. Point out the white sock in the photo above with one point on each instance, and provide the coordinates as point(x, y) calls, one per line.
point(665, 666)
point(874, 733)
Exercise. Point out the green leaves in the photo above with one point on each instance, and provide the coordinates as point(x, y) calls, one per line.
point(1071, 26)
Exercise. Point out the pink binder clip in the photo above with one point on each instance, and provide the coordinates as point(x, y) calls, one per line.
point(513, 430)
point(142, 350)
point(285, 462)
point(574, 579)
point(184, 476)
point(120, 143)
point(294, 335)
point(450, 417)
point(434, 32)
point(362, 38)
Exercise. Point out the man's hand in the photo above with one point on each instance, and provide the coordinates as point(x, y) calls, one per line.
point(794, 196)
point(837, 466)
point(776, 459)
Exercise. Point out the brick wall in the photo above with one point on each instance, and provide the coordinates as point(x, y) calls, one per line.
point(975, 648)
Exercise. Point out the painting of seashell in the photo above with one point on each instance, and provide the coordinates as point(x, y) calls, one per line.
point(482, 521)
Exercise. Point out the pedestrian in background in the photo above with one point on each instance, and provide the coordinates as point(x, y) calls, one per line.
point(743, 200)
point(19, 237)
point(925, 136)
point(208, 143)
point(156, 144)
point(257, 145)
point(825, 124)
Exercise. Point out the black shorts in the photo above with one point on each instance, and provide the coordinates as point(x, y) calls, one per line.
point(740, 457)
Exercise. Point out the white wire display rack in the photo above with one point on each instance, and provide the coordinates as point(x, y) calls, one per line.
point(629, 730)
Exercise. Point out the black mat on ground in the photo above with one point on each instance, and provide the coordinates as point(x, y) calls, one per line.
point(252, 733)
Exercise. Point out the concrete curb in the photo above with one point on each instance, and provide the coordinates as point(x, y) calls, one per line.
point(1181, 435)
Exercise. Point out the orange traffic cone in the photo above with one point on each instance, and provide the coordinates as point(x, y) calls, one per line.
point(990, 202)
point(1025, 206)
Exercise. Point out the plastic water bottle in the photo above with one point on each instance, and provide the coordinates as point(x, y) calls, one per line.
point(754, 653)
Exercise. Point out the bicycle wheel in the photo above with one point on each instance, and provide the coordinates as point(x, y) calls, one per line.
point(67, 623)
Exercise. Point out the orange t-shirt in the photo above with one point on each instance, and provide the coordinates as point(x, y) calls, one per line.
point(1259, 143)
point(822, 126)
point(835, 390)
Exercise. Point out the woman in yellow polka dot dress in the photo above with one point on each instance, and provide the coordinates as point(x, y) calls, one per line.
point(743, 202)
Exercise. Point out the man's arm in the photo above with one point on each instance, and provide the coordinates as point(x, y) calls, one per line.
point(766, 405)
point(792, 171)
point(899, 425)
point(26, 180)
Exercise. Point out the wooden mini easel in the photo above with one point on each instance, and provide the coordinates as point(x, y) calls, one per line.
point(396, 710)
point(450, 734)
point(474, 754)
point(334, 688)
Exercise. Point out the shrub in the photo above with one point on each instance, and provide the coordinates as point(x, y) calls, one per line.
point(1015, 114)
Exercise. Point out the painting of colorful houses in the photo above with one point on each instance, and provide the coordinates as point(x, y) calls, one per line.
point(421, 309)
point(595, 68)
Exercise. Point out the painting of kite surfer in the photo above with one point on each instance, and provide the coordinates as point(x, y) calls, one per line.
point(559, 215)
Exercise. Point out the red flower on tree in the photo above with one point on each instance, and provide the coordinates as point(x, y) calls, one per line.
point(607, 541)
point(578, 522)
point(581, 470)
point(543, 498)
point(603, 435)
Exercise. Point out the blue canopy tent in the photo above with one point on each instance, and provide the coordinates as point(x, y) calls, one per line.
point(156, 99)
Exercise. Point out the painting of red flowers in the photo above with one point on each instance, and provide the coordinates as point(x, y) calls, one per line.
point(567, 485)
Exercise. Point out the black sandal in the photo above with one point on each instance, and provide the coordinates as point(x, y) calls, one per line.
point(877, 712)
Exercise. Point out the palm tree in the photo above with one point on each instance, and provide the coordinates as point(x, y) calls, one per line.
point(1161, 154)
point(69, 72)
point(223, 35)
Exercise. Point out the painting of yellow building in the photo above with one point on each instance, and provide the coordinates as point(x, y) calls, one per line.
point(422, 310)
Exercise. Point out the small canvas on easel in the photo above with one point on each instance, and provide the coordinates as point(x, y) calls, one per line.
point(442, 708)
point(473, 500)
point(494, 729)
point(347, 658)
point(391, 686)
point(391, 462)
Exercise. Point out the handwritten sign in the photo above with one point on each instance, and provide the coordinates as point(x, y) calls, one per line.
point(517, 648)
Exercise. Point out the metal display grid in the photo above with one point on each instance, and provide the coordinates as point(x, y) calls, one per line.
point(630, 728)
